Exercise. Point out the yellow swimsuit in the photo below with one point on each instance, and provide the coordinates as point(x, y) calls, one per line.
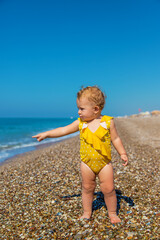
point(95, 148)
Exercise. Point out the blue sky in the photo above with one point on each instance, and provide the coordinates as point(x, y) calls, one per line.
point(49, 49)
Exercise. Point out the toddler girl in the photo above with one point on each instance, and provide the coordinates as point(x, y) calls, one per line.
point(96, 134)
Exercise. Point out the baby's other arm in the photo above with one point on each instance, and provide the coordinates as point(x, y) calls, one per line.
point(117, 143)
point(58, 132)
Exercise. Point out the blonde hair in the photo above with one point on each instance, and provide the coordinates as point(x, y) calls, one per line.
point(93, 94)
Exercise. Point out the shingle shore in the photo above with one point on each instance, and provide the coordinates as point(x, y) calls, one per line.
point(41, 190)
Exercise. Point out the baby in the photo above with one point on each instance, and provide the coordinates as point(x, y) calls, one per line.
point(96, 134)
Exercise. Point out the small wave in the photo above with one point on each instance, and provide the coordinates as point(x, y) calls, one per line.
point(3, 146)
point(4, 155)
point(9, 146)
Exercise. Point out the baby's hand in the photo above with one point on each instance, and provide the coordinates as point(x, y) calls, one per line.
point(124, 158)
point(40, 136)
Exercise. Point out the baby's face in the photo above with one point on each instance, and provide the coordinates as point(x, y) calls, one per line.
point(86, 110)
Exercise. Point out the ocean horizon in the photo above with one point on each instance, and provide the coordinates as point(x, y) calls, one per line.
point(16, 134)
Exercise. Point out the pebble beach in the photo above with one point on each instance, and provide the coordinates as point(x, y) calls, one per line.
point(41, 190)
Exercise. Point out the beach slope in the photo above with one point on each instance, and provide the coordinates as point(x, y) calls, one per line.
point(41, 190)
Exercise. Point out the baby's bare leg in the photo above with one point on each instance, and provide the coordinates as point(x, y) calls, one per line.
point(88, 187)
point(107, 187)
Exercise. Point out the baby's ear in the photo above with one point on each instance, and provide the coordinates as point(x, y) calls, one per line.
point(96, 108)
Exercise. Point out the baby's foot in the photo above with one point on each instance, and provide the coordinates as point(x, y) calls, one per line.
point(114, 218)
point(85, 216)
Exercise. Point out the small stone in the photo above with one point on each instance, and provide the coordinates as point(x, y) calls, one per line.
point(59, 214)
point(130, 235)
point(78, 236)
point(86, 226)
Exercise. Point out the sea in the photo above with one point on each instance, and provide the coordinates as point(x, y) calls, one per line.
point(16, 134)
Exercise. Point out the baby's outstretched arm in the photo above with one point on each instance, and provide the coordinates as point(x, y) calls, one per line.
point(117, 143)
point(58, 132)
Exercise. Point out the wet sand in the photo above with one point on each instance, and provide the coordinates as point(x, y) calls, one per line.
point(41, 190)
